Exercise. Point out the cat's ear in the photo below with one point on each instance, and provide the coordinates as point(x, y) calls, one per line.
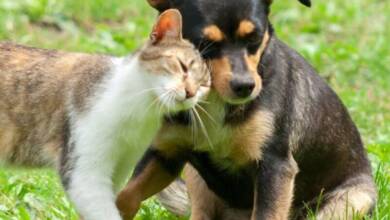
point(169, 25)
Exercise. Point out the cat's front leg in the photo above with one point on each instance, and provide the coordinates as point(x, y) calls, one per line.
point(91, 190)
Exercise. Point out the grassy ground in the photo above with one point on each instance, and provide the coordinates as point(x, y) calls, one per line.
point(347, 42)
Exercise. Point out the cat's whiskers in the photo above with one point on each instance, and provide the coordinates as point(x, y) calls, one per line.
point(202, 40)
point(206, 113)
point(204, 102)
point(194, 127)
point(171, 102)
point(204, 50)
point(203, 127)
point(209, 65)
point(162, 103)
point(206, 75)
point(130, 113)
point(155, 101)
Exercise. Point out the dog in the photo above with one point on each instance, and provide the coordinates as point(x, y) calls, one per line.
point(275, 140)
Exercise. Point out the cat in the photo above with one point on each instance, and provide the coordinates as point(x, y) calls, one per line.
point(93, 116)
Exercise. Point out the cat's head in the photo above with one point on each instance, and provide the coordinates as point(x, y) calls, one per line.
point(177, 70)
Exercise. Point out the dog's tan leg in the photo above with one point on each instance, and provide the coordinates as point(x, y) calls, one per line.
point(274, 188)
point(351, 200)
point(205, 205)
point(153, 174)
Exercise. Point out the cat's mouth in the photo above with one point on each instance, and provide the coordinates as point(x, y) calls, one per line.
point(186, 104)
point(177, 102)
point(173, 100)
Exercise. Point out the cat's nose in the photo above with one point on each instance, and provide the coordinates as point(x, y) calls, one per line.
point(190, 93)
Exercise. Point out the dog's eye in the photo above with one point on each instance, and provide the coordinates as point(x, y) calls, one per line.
point(254, 39)
point(253, 46)
point(253, 42)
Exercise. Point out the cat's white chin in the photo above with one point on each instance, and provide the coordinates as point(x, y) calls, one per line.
point(179, 102)
point(187, 104)
point(180, 105)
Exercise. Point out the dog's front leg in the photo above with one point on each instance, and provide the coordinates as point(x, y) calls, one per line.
point(152, 174)
point(274, 187)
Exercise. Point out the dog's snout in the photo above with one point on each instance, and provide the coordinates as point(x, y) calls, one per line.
point(243, 87)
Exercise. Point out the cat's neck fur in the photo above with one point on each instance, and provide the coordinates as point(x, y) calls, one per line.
point(121, 120)
point(125, 88)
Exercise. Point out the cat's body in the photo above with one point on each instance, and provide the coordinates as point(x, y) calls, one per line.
point(45, 113)
point(34, 87)
point(93, 116)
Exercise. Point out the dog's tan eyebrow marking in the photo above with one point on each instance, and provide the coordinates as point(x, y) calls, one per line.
point(245, 28)
point(213, 33)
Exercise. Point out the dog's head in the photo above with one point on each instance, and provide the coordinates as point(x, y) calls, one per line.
point(231, 36)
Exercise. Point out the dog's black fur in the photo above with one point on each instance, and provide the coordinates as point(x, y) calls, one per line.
point(312, 130)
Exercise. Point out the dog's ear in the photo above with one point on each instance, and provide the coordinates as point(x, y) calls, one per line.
point(305, 2)
point(160, 5)
point(169, 25)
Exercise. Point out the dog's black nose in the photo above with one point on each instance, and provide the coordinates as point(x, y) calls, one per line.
point(242, 87)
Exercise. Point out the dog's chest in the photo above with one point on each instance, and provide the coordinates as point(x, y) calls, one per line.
point(232, 145)
point(228, 145)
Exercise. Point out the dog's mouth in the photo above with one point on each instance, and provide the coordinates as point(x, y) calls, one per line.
point(239, 100)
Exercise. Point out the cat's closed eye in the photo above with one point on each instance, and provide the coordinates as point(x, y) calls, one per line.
point(183, 66)
point(192, 63)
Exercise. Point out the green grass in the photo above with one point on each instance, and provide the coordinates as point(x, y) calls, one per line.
point(346, 41)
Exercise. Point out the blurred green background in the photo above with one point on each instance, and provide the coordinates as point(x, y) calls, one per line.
point(348, 42)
